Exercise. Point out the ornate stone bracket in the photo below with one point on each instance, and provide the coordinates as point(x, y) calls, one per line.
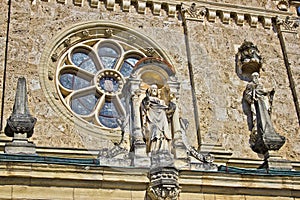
point(163, 184)
point(20, 124)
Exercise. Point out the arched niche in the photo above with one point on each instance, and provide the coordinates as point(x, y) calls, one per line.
point(147, 72)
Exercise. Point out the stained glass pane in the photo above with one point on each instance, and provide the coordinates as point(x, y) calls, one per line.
point(108, 57)
point(108, 115)
point(84, 61)
point(84, 105)
point(73, 82)
point(298, 10)
point(127, 66)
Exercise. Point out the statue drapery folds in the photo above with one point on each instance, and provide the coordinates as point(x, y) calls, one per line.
point(263, 135)
point(156, 117)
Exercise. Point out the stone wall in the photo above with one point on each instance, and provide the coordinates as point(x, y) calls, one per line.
point(213, 45)
point(220, 90)
point(3, 30)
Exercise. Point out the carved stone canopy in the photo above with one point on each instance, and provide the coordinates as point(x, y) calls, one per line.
point(249, 59)
point(20, 120)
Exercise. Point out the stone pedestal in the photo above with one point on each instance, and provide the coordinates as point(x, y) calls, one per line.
point(140, 157)
point(162, 159)
point(273, 161)
point(20, 145)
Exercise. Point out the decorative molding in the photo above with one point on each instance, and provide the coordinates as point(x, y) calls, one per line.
point(197, 11)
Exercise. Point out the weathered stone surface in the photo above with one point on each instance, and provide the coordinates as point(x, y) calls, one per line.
point(219, 88)
point(3, 30)
point(213, 46)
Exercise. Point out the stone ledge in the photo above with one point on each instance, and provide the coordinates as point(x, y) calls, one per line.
point(52, 175)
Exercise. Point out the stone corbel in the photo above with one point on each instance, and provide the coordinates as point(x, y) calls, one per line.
point(240, 18)
point(156, 7)
point(126, 5)
point(141, 7)
point(267, 22)
point(78, 2)
point(225, 17)
point(62, 1)
point(212, 14)
point(110, 4)
point(253, 20)
point(95, 3)
point(163, 184)
point(171, 10)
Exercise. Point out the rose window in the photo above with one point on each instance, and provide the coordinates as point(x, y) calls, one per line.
point(91, 77)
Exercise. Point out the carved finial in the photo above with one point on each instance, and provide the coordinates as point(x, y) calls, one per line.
point(20, 120)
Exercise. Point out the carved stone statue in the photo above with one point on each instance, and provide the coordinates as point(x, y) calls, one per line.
point(263, 136)
point(258, 98)
point(155, 123)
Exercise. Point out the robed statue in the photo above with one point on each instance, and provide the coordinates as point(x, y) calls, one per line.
point(156, 117)
point(263, 136)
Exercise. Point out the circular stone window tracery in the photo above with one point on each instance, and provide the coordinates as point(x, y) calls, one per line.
point(91, 78)
point(84, 69)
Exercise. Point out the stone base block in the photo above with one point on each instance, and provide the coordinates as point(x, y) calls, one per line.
point(141, 162)
point(273, 161)
point(20, 147)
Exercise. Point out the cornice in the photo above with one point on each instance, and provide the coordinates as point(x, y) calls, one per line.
point(54, 175)
point(224, 11)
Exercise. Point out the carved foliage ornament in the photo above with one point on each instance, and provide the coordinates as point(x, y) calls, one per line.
point(163, 184)
point(194, 12)
point(289, 24)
